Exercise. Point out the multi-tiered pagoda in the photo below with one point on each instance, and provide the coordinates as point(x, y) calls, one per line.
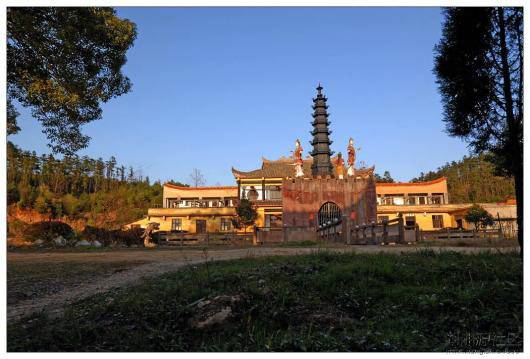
point(321, 152)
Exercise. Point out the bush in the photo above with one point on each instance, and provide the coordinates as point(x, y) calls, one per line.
point(479, 217)
point(16, 228)
point(13, 196)
point(47, 231)
point(130, 236)
point(108, 237)
point(102, 235)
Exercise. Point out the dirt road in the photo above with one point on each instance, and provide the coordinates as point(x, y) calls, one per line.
point(158, 262)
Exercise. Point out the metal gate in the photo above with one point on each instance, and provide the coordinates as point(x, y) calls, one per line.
point(329, 225)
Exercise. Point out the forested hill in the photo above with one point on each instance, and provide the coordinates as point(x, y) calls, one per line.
point(472, 180)
point(101, 193)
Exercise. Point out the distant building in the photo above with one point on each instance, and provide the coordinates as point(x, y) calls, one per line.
point(292, 191)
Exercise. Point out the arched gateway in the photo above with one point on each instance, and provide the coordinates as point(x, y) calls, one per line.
point(329, 214)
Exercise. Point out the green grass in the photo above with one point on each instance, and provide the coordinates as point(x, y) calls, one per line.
point(306, 243)
point(319, 302)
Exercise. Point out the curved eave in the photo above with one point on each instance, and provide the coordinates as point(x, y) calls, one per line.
point(170, 185)
point(241, 174)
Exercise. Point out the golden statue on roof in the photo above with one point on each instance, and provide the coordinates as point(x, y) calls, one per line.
point(298, 161)
point(351, 158)
point(340, 166)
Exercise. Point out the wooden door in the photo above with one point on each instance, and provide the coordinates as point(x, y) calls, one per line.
point(200, 226)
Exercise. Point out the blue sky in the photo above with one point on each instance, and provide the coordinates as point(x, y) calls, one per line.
point(221, 87)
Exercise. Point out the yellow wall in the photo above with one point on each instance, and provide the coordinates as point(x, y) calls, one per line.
point(188, 224)
point(425, 221)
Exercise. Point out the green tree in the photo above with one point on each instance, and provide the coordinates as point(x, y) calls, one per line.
point(44, 205)
point(246, 214)
point(12, 114)
point(479, 70)
point(472, 179)
point(13, 195)
point(63, 62)
point(177, 183)
point(385, 178)
point(479, 217)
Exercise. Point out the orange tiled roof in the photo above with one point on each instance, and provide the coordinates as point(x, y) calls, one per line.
point(284, 167)
point(438, 180)
point(170, 185)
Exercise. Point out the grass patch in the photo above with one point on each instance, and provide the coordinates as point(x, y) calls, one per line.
point(469, 242)
point(27, 280)
point(306, 243)
point(423, 301)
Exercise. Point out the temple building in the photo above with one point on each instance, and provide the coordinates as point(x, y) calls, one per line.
point(297, 192)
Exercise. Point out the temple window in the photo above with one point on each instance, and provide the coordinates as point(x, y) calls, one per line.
point(437, 221)
point(176, 224)
point(416, 198)
point(273, 220)
point(173, 203)
point(437, 198)
point(225, 224)
point(273, 192)
point(410, 221)
point(394, 199)
point(399, 200)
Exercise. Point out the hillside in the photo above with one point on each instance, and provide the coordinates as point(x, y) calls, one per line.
point(472, 180)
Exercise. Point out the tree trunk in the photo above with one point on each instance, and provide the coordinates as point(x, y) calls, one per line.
point(514, 130)
point(519, 199)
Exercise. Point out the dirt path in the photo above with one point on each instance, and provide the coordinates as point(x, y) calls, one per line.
point(159, 262)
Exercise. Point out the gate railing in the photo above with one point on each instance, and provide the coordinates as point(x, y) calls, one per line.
point(386, 231)
point(453, 234)
point(330, 231)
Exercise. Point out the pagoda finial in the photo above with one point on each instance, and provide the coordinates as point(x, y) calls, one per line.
point(319, 89)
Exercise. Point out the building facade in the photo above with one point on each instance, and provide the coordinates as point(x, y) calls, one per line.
point(290, 192)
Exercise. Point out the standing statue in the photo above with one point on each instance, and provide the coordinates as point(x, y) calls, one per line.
point(252, 194)
point(298, 161)
point(151, 227)
point(340, 166)
point(351, 158)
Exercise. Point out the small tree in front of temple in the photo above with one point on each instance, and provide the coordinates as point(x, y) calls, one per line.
point(246, 214)
point(479, 217)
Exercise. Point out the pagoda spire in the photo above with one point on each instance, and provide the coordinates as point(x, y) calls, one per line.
point(321, 152)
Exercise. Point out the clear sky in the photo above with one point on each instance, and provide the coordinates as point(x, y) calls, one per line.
point(221, 87)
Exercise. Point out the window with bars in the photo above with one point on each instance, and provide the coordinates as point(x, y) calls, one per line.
point(225, 224)
point(176, 224)
point(437, 221)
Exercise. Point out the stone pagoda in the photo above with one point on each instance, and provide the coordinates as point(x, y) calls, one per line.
point(321, 152)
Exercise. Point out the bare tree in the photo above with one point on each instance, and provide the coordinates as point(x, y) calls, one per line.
point(196, 178)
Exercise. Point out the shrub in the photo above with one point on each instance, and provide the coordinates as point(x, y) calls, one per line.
point(130, 236)
point(13, 196)
point(102, 235)
point(108, 237)
point(16, 228)
point(479, 217)
point(48, 231)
